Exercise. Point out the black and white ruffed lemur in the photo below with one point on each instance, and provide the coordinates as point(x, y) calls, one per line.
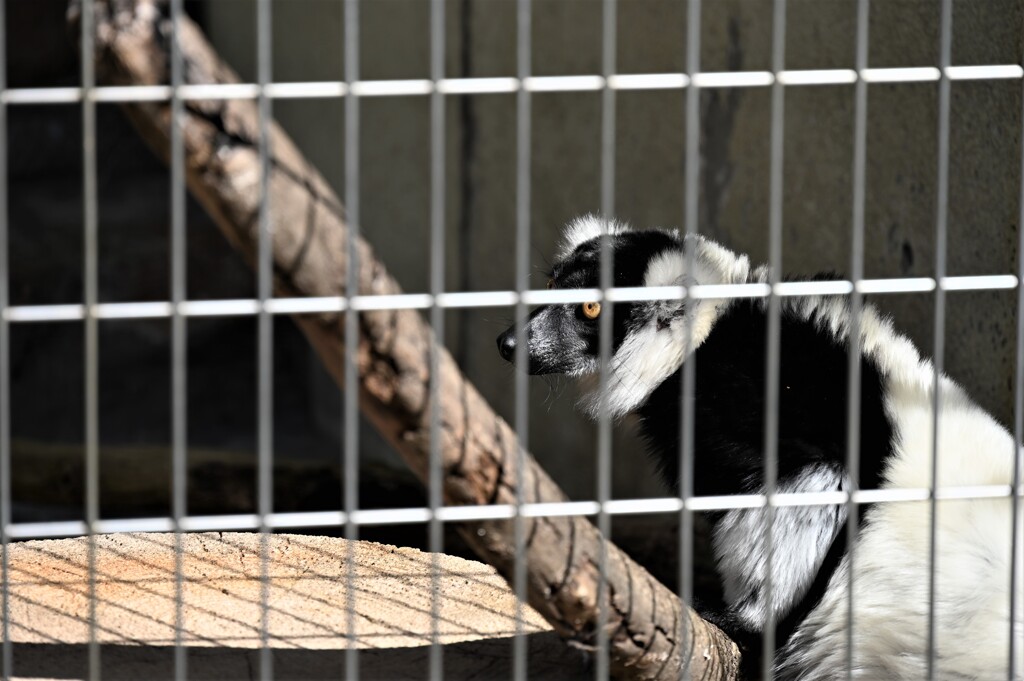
point(810, 568)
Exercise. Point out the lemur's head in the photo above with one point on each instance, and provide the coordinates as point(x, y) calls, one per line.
point(650, 340)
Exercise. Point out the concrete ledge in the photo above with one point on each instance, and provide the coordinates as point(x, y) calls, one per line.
point(307, 618)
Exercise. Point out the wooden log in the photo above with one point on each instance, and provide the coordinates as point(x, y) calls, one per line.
point(651, 633)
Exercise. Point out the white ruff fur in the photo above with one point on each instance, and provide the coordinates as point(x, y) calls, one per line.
point(650, 354)
point(891, 568)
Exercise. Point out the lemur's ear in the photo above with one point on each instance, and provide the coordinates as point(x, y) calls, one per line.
point(697, 261)
point(585, 228)
point(665, 333)
point(670, 268)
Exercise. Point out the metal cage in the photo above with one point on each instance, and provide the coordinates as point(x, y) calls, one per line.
point(437, 89)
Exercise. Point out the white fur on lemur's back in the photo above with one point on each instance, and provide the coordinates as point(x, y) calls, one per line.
point(892, 553)
point(741, 550)
point(649, 354)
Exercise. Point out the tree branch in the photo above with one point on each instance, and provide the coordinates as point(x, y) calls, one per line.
point(652, 635)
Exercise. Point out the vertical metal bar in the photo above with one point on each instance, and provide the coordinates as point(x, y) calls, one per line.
point(1017, 521)
point(856, 305)
point(7, 653)
point(265, 331)
point(350, 462)
point(691, 217)
point(606, 281)
point(523, 138)
point(91, 298)
point(179, 431)
point(437, 270)
point(771, 428)
point(941, 224)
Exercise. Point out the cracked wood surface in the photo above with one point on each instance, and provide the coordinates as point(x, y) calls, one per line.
point(308, 592)
point(652, 634)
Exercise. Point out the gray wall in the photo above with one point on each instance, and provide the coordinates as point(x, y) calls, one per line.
point(736, 35)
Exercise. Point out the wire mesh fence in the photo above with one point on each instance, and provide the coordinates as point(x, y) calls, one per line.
point(439, 90)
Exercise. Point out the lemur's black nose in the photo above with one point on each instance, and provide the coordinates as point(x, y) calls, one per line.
point(507, 345)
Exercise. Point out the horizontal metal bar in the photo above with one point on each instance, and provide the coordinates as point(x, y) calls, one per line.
point(312, 90)
point(648, 81)
point(306, 305)
point(563, 83)
point(211, 523)
point(901, 75)
point(131, 93)
point(638, 506)
point(419, 515)
point(390, 516)
point(994, 72)
point(974, 492)
point(403, 301)
point(43, 95)
point(979, 283)
point(43, 313)
point(44, 530)
point(725, 502)
point(818, 77)
point(733, 79)
point(564, 508)
point(477, 86)
point(833, 498)
point(391, 88)
point(730, 291)
point(308, 519)
point(873, 496)
point(640, 293)
point(466, 86)
point(813, 288)
point(219, 308)
point(134, 525)
point(471, 299)
point(477, 299)
point(218, 91)
point(133, 310)
point(907, 285)
point(468, 513)
point(562, 296)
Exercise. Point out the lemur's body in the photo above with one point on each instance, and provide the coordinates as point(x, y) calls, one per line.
point(810, 567)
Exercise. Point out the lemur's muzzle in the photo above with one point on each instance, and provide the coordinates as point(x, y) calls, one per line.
point(507, 345)
point(542, 358)
point(507, 349)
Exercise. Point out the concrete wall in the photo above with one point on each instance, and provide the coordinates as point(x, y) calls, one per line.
point(736, 35)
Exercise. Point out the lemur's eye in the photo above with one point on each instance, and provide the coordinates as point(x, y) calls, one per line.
point(551, 283)
point(591, 310)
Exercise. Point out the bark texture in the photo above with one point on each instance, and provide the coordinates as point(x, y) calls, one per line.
point(652, 634)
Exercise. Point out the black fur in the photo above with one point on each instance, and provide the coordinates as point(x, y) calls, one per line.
point(729, 412)
point(730, 370)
